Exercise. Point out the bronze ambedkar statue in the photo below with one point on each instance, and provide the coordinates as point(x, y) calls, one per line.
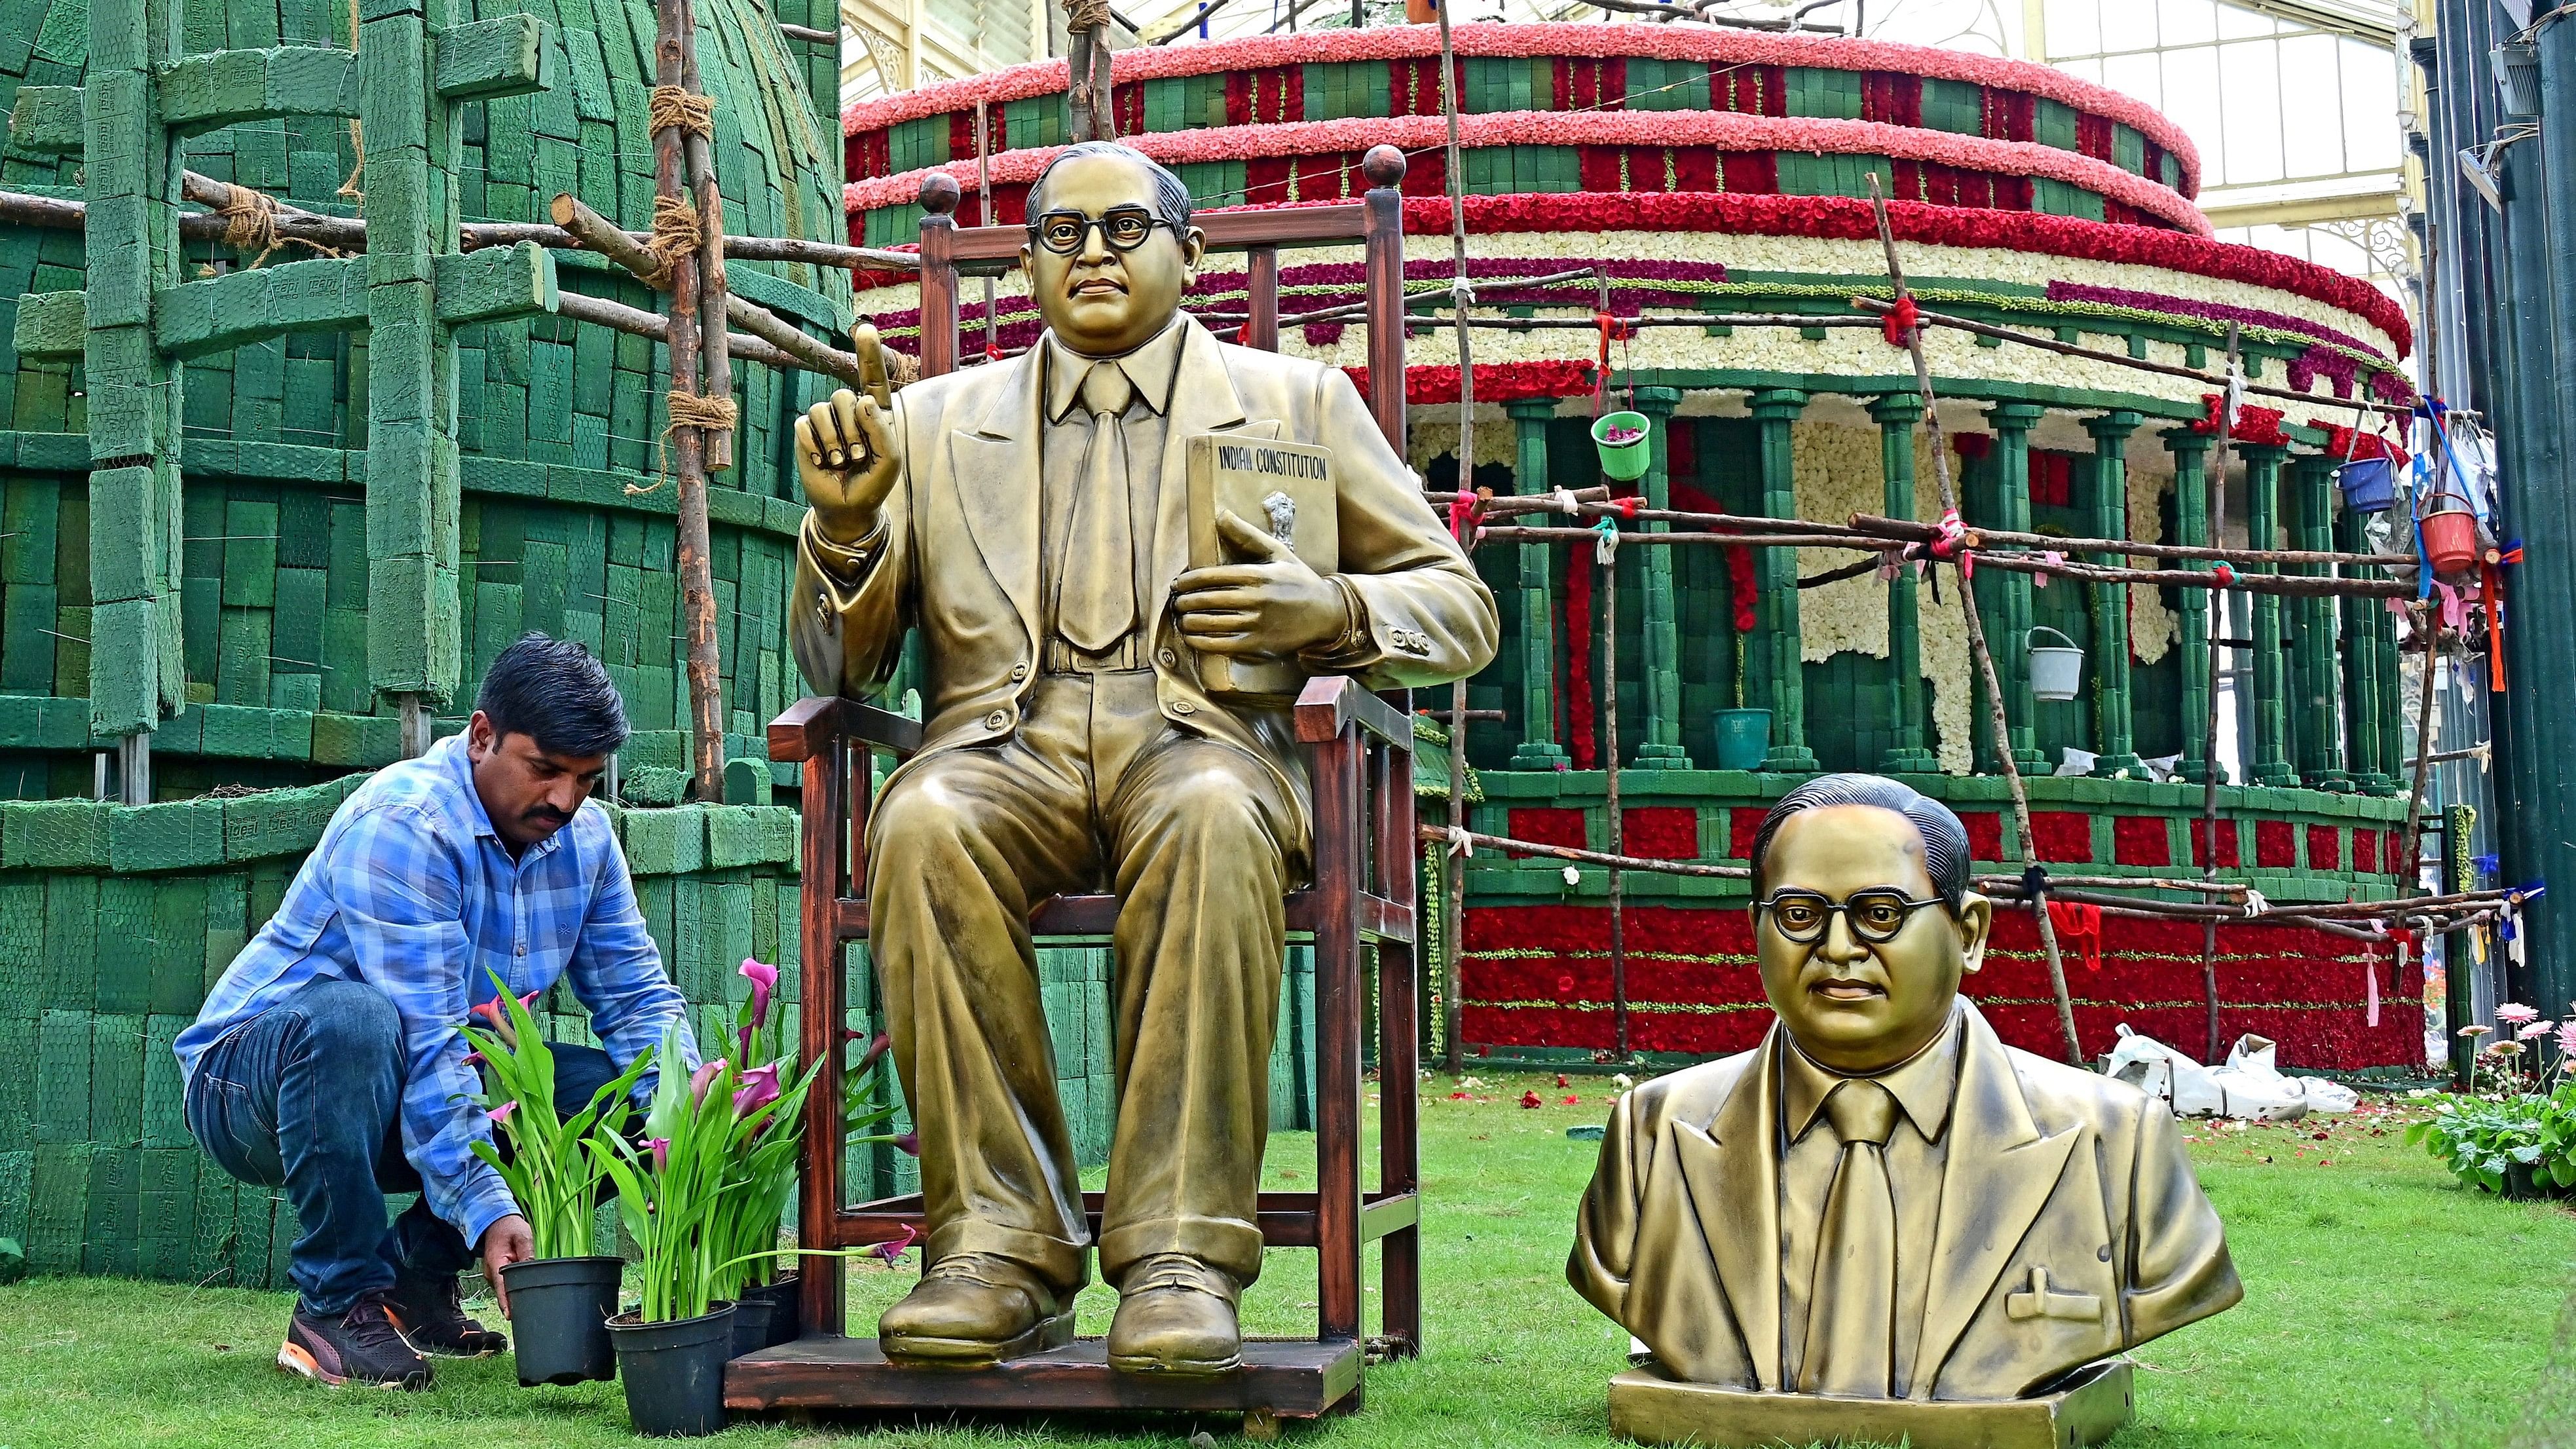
point(1028, 517)
point(1883, 1201)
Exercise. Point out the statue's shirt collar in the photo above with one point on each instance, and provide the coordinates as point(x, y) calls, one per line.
point(1151, 368)
point(1923, 1084)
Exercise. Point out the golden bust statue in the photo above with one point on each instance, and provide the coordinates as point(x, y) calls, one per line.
point(1028, 518)
point(1883, 1201)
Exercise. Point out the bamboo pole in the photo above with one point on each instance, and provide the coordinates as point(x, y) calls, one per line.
point(2217, 490)
point(1976, 626)
point(715, 359)
point(1985, 538)
point(618, 317)
point(687, 443)
point(1453, 902)
point(2429, 628)
point(2069, 349)
point(588, 229)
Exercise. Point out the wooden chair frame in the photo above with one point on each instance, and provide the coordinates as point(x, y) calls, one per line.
point(1360, 749)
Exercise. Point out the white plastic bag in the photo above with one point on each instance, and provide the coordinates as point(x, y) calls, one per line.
point(2248, 1088)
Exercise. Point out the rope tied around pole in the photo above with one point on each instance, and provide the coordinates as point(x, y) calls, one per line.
point(697, 410)
point(676, 237)
point(250, 225)
point(673, 108)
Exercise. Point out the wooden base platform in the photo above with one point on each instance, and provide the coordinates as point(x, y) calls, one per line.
point(1291, 1379)
point(1652, 1409)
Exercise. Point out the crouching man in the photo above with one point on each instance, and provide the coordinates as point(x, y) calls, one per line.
point(327, 1060)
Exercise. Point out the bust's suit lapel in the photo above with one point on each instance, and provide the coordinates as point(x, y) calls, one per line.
point(1203, 401)
point(1999, 1173)
point(1733, 1173)
point(994, 465)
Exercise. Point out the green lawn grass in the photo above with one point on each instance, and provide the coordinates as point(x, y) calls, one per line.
point(2384, 1306)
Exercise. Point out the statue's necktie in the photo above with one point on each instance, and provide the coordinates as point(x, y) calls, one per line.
point(1851, 1315)
point(1098, 603)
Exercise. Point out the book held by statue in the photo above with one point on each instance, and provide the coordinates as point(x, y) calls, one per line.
point(1287, 491)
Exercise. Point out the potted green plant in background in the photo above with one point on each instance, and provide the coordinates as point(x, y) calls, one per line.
point(560, 1299)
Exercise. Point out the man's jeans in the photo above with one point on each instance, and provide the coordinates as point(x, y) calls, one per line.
point(308, 1096)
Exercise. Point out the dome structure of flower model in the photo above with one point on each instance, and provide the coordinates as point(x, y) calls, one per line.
point(1706, 175)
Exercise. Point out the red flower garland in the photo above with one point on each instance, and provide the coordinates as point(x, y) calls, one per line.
point(2253, 425)
point(1495, 381)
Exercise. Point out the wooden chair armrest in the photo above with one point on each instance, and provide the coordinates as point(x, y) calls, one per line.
point(812, 724)
point(1333, 702)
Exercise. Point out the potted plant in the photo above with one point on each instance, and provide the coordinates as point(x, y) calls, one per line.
point(560, 1299)
point(767, 1143)
point(672, 1348)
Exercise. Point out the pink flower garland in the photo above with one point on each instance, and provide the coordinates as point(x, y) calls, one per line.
point(1530, 41)
point(1722, 130)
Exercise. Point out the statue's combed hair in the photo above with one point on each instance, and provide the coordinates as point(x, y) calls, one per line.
point(1945, 840)
point(1171, 198)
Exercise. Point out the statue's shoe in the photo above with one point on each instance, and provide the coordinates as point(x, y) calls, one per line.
point(973, 1311)
point(1176, 1315)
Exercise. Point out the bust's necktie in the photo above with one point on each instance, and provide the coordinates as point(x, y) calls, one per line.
point(1851, 1315)
point(1097, 606)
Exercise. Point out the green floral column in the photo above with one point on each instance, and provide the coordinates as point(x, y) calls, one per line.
point(1775, 632)
point(1662, 749)
point(2191, 526)
point(1538, 748)
point(1896, 415)
point(2008, 637)
point(2362, 619)
point(2271, 765)
point(2112, 729)
point(2319, 751)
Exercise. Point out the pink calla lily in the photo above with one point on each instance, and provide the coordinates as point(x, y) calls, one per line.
point(501, 1114)
point(759, 1088)
point(894, 1248)
point(702, 1077)
point(909, 1144)
point(877, 1048)
point(764, 983)
point(660, 1147)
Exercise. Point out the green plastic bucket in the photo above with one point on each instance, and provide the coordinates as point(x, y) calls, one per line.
point(1743, 738)
point(1621, 462)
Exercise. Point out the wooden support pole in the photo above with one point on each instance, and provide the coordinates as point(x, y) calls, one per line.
point(1977, 631)
point(787, 346)
point(688, 443)
point(715, 358)
point(1607, 561)
point(618, 317)
point(2215, 487)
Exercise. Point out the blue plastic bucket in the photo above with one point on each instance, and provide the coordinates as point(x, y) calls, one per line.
point(2369, 485)
point(1743, 738)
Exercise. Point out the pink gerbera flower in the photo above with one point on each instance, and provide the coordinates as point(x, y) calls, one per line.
point(2514, 1013)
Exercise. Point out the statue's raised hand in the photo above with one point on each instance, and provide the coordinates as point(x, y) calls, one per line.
point(847, 459)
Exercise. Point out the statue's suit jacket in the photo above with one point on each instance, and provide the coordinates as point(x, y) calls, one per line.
point(960, 553)
point(2050, 1174)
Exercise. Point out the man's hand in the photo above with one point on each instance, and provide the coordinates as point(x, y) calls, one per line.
point(507, 1241)
point(847, 460)
point(1274, 604)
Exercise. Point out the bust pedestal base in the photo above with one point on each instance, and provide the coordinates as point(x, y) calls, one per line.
point(2095, 1402)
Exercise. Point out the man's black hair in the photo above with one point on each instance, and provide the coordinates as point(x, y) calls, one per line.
point(555, 692)
point(1945, 840)
point(1171, 198)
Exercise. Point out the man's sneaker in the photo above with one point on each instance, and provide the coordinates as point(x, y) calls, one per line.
point(431, 1314)
point(361, 1346)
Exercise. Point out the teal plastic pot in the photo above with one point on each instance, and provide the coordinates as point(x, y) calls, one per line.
point(1621, 462)
point(1743, 738)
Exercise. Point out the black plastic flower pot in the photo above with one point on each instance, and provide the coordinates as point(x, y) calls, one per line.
point(786, 1307)
point(559, 1310)
point(674, 1372)
point(751, 1315)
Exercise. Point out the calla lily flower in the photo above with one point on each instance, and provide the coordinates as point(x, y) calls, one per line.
point(660, 1147)
point(909, 1144)
point(894, 1248)
point(883, 1043)
point(702, 1077)
point(759, 1088)
point(502, 1113)
point(473, 1059)
point(764, 983)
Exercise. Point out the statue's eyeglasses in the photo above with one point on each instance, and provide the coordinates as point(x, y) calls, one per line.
point(1875, 916)
point(1125, 229)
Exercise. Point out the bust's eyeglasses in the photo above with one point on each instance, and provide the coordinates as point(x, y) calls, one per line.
point(1062, 232)
point(1875, 916)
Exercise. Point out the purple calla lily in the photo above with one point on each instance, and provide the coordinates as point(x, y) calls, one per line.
point(909, 1144)
point(759, 1088)
point(702, 1077)
point(764, 983)
point(883, 1043)
point(661, 1150)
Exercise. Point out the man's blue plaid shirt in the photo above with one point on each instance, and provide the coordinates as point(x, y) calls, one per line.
point(413, 892)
